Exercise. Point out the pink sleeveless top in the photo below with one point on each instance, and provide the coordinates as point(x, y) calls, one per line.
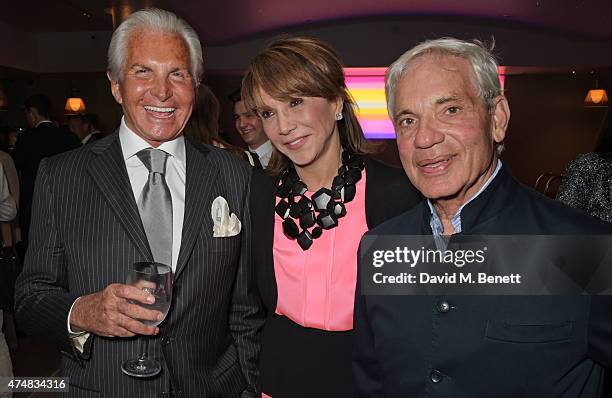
point(316, 287)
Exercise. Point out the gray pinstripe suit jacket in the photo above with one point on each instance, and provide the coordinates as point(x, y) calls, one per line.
point(86, 232)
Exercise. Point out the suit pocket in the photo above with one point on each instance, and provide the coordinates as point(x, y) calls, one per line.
point(532, 333)
point(227, 374)
point(225, 244)
point(227, 359)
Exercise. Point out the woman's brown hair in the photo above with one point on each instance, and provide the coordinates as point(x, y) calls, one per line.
point(203, 125)
point(308, 67)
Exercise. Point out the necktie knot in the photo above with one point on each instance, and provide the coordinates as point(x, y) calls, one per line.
point(153, 159)
point(255, 160)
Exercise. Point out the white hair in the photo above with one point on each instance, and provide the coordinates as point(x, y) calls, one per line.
point(154, 19)
point(483, 62)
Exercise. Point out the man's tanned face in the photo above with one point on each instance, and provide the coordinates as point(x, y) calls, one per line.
point(156, 89)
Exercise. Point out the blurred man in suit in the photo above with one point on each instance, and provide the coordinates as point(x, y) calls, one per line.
point(85, 127)
point(41, 140)
point(450, 117)
point(93, 220)
point(250, 128)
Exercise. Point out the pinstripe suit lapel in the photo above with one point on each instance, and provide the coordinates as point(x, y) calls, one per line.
point(109, 173)
point(200, 176)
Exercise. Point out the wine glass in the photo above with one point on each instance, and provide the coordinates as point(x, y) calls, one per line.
point(155, 279)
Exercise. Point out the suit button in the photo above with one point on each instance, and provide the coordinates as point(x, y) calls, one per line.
point(435, 376)
point(167, 340)
point(443, 306)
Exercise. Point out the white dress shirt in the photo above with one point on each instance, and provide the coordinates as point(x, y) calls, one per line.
point(43, 121)
point(435, 222)
point(175, 176)
point(264, 151)
point(138, 174)
point(86, 139)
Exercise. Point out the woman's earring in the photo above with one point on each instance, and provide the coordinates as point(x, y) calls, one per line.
point(339, 116)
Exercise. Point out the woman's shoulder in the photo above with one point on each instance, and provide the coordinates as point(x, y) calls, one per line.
point(383, 170)
point(389, 192)
point(385, 178)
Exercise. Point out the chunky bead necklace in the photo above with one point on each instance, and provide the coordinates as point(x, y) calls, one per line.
point(326, 206)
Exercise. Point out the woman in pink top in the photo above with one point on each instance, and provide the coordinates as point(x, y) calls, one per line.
point(309, 217)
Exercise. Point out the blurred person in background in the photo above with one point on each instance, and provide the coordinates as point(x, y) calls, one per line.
point(11, 233)
point(203, 126)
point(43, 139)
point(8, 138)
point(11, 239)
point(85, 126)
point(587, 186)
point(8, 211)
point(249, 126)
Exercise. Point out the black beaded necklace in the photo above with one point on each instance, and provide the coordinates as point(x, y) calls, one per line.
point(326, 206)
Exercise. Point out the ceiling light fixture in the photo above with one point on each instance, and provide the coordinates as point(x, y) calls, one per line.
point(74, 103)
point(596, 97)
point(74, 106)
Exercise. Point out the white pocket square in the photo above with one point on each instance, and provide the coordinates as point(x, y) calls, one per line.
point(224, 223)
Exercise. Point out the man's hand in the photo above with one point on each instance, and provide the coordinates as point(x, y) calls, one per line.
point(109, 313)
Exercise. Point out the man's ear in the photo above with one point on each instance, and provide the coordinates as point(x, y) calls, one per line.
point(115, 88)
point(500, 118)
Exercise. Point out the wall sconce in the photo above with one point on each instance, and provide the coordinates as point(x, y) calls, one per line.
point(74, 105)
point(596, 97)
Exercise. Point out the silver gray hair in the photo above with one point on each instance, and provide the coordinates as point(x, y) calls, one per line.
point(154, 19)
point(482, 60)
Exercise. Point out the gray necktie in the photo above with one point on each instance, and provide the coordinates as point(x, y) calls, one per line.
point(155, 205)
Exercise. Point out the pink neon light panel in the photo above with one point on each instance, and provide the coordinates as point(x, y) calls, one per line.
point(367, 86)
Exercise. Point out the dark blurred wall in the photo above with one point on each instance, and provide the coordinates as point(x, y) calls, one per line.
point(549, 125)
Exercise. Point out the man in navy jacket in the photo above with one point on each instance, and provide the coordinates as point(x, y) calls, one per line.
point(451, 117)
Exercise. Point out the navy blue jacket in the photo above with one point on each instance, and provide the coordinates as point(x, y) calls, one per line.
point(485, 346)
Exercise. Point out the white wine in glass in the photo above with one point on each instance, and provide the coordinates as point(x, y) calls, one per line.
point(155, 279)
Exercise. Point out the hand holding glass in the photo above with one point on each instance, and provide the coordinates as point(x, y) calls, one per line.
point(155, 279)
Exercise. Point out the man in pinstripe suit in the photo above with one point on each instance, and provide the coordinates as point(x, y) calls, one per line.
point(89, 228)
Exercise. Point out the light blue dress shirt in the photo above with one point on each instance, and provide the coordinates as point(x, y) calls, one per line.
point(436, 224)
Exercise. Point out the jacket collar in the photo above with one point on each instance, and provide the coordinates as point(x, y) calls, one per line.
point(492, 201)
point(109, 172)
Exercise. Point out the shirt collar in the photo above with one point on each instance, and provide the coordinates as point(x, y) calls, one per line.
point(84, 140)
point(263, 149)
point(131, 144)
point(43, 121)
point(436, 224)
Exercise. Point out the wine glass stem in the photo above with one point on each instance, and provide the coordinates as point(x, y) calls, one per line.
point(144, 347)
